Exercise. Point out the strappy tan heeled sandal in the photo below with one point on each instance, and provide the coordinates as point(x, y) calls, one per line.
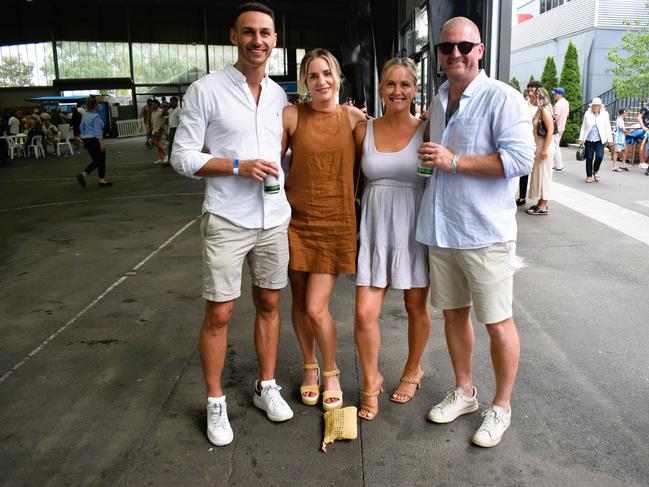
point(398, 391)
point(367, 412)
point(311, 400)
point(328, 394)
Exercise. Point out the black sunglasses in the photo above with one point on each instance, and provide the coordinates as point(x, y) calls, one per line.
point(465, 47)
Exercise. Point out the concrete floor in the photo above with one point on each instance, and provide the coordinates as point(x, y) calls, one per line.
point(100, 380)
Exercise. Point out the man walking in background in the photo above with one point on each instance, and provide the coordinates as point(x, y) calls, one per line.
point(561, 111)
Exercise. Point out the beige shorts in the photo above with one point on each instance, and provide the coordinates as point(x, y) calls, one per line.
point(226, 245)
point(482, 278)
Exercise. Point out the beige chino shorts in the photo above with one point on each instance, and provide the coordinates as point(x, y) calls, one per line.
point(226, 246)
point(482, 278)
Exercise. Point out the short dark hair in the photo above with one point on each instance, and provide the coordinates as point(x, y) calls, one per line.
point(621, 111)
point(534, 84)
point(173, 98)
point(252, 7)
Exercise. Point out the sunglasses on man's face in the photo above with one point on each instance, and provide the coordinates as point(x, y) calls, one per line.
point(464, 47)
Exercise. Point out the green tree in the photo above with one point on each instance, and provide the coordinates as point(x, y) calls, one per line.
point(532, 77)
point(14, 72)
point(631, 68)
point(549, 77)
point(516, 84)
point(571, 82)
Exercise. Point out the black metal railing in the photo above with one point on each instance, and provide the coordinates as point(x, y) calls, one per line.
point(613, 104)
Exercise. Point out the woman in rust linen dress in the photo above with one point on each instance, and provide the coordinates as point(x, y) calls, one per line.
point(322, 232)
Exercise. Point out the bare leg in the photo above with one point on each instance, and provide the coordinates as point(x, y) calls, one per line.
point(505, 353)
point(418, 330)
point(302, 327)
point(213, 344)
point(459, 339)
point(318, 291)
point(542, 204)
point(267, 325)
point(643, 155)
point(369, 301)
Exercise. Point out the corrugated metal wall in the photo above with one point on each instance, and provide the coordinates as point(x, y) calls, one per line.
point(577, 16)
point(561, 21)
point(612, 13)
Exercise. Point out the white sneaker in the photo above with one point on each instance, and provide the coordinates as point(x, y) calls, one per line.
point(454, 404)
point(270, 400)
point(495, 423)
point(219, 431)
point(159, 161)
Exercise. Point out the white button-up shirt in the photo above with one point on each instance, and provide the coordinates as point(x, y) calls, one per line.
point(220, 114)
point(461, 211)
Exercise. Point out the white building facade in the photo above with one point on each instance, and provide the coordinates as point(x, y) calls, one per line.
point(593, 26)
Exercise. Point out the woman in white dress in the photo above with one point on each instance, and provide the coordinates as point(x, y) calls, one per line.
point(389, 255)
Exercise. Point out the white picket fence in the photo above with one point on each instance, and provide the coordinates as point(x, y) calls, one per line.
point(130, 128)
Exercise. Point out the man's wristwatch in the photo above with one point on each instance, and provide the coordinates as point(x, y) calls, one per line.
point(456, 157)
point(235, 167)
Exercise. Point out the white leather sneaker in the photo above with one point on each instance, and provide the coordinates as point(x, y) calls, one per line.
point(454, 404)
point(495, 423)
point(219, 431)
point(270, 400)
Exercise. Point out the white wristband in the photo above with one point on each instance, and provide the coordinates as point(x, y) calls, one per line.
point(454, 161)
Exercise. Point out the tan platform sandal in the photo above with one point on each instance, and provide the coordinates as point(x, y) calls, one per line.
point(398, 391)
point(311, 400)
point(367, 412)
point(328, 406)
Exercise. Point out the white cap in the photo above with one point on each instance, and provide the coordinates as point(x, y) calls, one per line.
point(596, 101)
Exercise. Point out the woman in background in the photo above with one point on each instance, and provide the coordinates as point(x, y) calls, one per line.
point(541, 177)
point(594, 134)
point(92, 134)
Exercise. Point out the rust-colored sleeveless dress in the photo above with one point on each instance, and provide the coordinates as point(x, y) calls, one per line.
point(320, 189)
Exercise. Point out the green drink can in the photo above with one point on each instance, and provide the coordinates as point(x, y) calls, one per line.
point(425, 172)
point(271, 184)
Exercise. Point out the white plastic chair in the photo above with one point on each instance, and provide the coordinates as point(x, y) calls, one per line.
point(16, 147)
point(64, 139)
point(36, 145)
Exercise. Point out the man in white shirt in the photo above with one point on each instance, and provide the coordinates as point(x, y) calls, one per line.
point(561, 110)
point(14, 123)
point(480, 142)
point(158, 124)
point(174, 119)
point(236, 115)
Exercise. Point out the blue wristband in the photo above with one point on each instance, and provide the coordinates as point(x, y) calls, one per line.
point(235, 167)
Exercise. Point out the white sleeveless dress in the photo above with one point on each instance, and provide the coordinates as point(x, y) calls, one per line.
point(389, 254)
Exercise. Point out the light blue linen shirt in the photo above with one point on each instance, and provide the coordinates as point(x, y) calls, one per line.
point(593, 135)
point(91, 126)
point(462, 211)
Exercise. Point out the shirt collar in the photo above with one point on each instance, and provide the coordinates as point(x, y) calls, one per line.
point(238, 77)
point(470, 89)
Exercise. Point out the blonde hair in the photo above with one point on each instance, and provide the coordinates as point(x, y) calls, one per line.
point(331, 61)
point(398, 62)
point(542, 98)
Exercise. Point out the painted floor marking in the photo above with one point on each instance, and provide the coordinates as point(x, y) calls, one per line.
point(108, 290)
point(629, 222)
point(98, 200)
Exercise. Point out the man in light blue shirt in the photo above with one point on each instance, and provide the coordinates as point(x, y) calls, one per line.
point(480, 143)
